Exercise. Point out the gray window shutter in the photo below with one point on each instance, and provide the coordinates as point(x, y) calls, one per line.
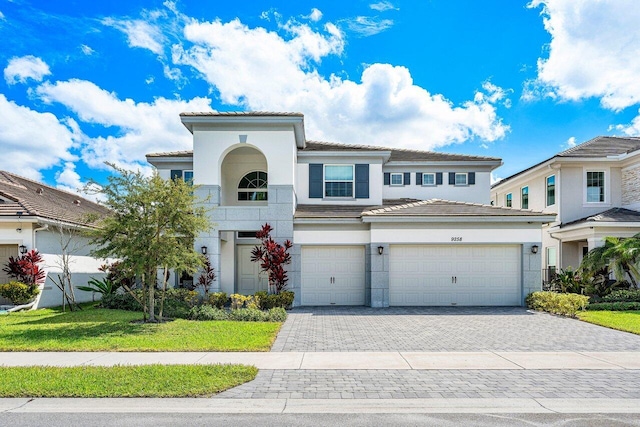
point(387, 178)
point(406, 179)
point(438, 178)
point(315, 181)
point(176, 174)
point(362, 181)
point(472, 178)
point(418, 178)
point(452, 178)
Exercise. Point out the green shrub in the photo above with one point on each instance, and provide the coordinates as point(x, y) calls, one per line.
point(268, 301)
point(207, 312)
point(261, 297)
point(614, 306)
point(217, 299)
point(121, 301)
point(177, 302)
point(277, 314)
point(553, 302)
point(19, 293)
point(625, 295)
point(244, 301)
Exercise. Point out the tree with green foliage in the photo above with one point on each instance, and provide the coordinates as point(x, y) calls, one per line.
point(153, 226)
point(618, 255)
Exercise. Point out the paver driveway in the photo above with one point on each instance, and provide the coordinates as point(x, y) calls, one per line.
point(443, 329)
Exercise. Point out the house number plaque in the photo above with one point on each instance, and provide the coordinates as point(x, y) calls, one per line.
point(456, 239)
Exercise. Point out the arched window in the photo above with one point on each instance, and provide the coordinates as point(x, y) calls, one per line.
point(253, 187)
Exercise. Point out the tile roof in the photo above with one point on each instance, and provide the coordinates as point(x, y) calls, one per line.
point(397, 154)
point(239, 113)
point(413, 207)
point(35, 199)
point(598, 147)
point(185, 153)
point(439, 207)
point(610, 215)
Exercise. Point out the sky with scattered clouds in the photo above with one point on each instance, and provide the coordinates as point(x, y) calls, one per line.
point(89, 82)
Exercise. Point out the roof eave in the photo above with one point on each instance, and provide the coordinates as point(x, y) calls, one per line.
point(542, 219)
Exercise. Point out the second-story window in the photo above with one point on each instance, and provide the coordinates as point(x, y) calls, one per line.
point(524, 200)
point(429, 179)
point(253, 187)
point(508, 200)
point(595, 187)
point(338, 180)
point(551, 190)
point(188, 177)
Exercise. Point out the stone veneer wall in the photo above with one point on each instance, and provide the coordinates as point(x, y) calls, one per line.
point(631, 186)
point(278, 213)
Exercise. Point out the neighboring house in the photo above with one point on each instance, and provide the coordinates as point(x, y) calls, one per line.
point(31, 216)
point(592, 188)
point(369, 225)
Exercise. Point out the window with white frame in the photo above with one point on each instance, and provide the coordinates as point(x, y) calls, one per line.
point(188, 177)
point(428, 179)
point(551, 190)
point(595, 187)
point(397, 179)
point(461, 179)
point(524, 198)
point(338, 180)
point(253, 187)
point(508, 200)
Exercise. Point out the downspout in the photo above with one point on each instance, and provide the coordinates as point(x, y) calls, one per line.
point(35, 230)
point(559, 260)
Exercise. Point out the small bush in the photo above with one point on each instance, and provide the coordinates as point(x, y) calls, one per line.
point(623, 295)
point(217, 299)
point(244, 301)
point(207, 312)
point(121, 301)
point(268, 301)
point(553, 302)
point(261, 297)
point(277, 314)
point(614, 306)
point(18, 292)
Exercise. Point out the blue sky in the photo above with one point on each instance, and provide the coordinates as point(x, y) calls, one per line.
point(88, 82)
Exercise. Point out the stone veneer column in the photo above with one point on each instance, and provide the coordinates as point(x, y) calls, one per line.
point(531, 269)
point(210, 194)
point(379, 275)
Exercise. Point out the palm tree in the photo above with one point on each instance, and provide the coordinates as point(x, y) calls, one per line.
point(618, 255)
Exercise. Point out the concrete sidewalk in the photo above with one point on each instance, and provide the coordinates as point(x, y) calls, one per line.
point(316, 406)
point(569, 360)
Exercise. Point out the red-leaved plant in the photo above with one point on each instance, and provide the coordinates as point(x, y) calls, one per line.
point(207, 277)
point(272, 257)
point(26, 268)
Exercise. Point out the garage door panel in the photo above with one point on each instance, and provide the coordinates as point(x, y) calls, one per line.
point(345, 264)
point(485, 275)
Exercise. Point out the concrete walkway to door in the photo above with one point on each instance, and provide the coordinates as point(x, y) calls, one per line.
point(443, 329)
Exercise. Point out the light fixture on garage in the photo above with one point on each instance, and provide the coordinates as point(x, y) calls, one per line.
point(380, 250)
point(534, 249)
point(204, 250)
point(23, 249)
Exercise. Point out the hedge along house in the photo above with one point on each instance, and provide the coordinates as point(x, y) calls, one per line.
point(31, 216)
point(370, 225)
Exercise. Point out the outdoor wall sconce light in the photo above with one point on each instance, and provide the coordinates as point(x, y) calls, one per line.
point(380, 250)
point(534, 249)
point(204, 250)
point(23, 249)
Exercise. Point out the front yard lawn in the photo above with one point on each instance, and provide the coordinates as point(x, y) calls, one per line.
point(123, 381)
point(98, 329)
point(628, 321)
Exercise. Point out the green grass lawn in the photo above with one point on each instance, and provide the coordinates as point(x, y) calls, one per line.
point(628, 321)
point(123, 381)
point(97, 329)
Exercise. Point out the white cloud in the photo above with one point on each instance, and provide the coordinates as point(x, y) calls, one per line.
point(86, 49)
point(366, 26)
point(382, 6)
point(495, 178)
point(261, 70)
point(594, 51)
point(571, 142)
point(485, 146)
point(315, 15)
point(2, 18)
point(20, 69)
point(137, 127)
point(32, 141)
point(139, 33)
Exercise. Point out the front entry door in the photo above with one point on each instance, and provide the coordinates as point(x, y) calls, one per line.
point(249, 278)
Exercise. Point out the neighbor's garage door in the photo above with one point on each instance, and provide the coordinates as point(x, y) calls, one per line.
point(332, 275)
point(431, 275)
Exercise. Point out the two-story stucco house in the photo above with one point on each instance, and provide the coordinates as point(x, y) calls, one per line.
point(370, 225)
point(592, 188)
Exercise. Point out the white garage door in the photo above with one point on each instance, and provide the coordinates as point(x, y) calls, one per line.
point(471, 275)
point(332, 275)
